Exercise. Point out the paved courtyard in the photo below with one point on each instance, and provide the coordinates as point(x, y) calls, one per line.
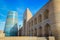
point(26, 38)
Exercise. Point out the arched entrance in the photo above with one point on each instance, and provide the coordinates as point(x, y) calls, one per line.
point(35, 32)
point(47, 30)
point(40, 32)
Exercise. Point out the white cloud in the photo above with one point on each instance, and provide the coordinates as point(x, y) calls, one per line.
point(2, 15)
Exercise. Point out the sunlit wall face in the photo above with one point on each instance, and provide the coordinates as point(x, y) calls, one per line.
point(11, 26)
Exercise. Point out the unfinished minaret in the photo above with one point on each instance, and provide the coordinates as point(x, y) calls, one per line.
point(11, 26)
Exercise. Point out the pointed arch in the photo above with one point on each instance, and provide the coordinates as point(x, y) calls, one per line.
point(35, 32)
point(40, 31)
point(39, 18)
point(35, 21)
point(46, 14)
point(47, 30)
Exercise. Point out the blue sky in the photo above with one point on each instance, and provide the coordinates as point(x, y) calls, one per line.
point(19, 6)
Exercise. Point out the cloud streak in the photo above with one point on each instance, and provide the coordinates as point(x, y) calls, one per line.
point(2, 15)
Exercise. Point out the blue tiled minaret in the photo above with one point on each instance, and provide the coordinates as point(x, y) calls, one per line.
point(11, 26)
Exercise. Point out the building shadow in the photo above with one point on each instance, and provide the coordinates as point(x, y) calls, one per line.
point(14, 30)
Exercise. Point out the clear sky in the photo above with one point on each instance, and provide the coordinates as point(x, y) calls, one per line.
point(19, 6)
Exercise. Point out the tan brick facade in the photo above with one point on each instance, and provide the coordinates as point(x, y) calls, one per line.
point(46, 22)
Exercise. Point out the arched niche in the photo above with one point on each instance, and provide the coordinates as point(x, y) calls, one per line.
point(46, 14)
point(40, 31)
point(39, 18)
point(47, 30)
point(35, 32)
